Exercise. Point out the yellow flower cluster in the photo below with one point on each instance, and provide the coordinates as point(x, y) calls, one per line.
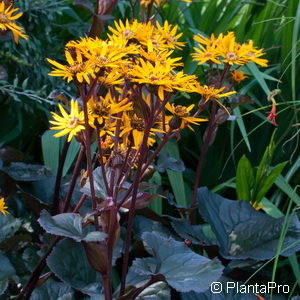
point(224, 49)
point(135, 76)
point(7, 21)
point(157, 2)
point(3, 207)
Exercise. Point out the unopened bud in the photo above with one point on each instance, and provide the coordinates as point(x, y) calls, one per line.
point(175, 122)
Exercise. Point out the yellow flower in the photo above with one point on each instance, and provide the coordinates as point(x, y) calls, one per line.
point(77, 68)
point(238, 76)
point(147, 2)
point(131, 32)
point(183, 82)
point(208, 54)
point(253, 54)
point(111, 79)
point(69, 124)
point(161, 56)
point(156, 75)
point(104, 55)
point(133, 131)
point(3, 208)
point(105, 108)
point(182, 116)
point(224, 48)
point(210, 92)
point(125, 31)
point(169, 36)
point(230, 50)
point(7, 21)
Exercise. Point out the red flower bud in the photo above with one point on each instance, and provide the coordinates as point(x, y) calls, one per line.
point(272, 115)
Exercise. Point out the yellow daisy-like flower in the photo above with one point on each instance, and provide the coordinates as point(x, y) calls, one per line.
point(182, 116)
point(105, 108)
point(147, 2)
point(253, 54)
point(161, 56)
point(133, 130)
point(210, 92)
point(224, 48)
point(71, 123)
point(208, 54)
point(3, 208)
point(230, 50)
point(104, 55)
point(77, 68)
point(169, 35)
point(111, 79)
point(238, 76)
point(7, 21)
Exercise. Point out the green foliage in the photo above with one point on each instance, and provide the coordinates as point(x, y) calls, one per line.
point(9, 225)
point(80, 276)
point(236, 223)
point(183, 269)
point(52, 290)
point(235, 227)
point(69, 225)
point(253, 184)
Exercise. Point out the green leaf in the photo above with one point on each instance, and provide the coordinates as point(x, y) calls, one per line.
point(69, 263)
point(244, 179)
point(9, 225)
point(52, 290)
point(166, 162)
point(270, 208)
point(176, 178)
point(71, 155)
point(259, 77)
point(194, 233)
point(241, 125)
point(25, 172)
point(7, 269)
point(51, 149)
point(286, 188)
point(183, 269)
point(264, 165)
point(142, 224)
point(68, 225)
point(156, 203)
point(243, 232)
point(42, 189)
point(3, 286)
point(100, 190)
point(269, 181)
point(156, 291)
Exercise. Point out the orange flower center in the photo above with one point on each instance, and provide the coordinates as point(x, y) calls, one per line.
point(76, 68)
point(3, 18)
point(153, 78)
point(138, 124)
point(100, 109)
point(181, 111)
point(73, 123)
point(208, 54)
point(102, 60)
point(127, 33)
point(231, 56)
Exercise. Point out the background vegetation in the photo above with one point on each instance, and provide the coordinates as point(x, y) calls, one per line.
point(28, 94)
